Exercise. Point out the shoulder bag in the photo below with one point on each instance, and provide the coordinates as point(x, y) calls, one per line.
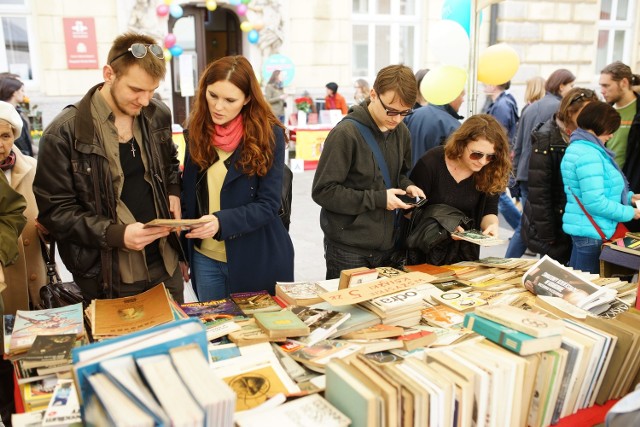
point(56, 293)
point(621, 229)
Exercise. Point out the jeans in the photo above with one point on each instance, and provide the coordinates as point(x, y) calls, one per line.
point(509, 210)
point(517, 246)
point(339, 258)
point(585, 254)
point(211, 277)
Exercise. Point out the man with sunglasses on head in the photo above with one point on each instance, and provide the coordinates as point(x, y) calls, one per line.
point(108, 167)
point(362, 173)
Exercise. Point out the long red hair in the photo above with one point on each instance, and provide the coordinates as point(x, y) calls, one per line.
point(257, 152)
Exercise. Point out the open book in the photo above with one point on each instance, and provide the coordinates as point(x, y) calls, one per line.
point(548, 277)
point(476, 236)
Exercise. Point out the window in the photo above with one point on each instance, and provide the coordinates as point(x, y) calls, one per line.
point(384, 33)
point(15, 55)
point(614, 32)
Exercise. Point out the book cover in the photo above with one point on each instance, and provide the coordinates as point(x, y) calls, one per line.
point(318, 355)
point(281, 324)
point(358, 318)
point(526, 321)
point(249, 333)
point(64, 408)
point(322, 323)
point(476, 236)
point(54, 321)
point(49, 348)
point(120, 316)
point(299, 293)
point(549, 277)
point(460, 301)
point(211, 312)
point(630, 245)
point(510, 339)
point(359, 274)
point(389, 272)
point(442, 316)
point(254, 302)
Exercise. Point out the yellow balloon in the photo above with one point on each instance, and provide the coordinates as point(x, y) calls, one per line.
point(498, 64)
point(246, 26)
point(211, 5)
point(167, 55)
point(443, 84)
point(168, 2)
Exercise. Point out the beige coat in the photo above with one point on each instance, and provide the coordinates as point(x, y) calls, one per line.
point(25, 278)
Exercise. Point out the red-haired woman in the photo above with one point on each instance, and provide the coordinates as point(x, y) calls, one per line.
point(233, 176)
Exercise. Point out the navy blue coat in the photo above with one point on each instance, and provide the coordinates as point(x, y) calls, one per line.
point(259, 248)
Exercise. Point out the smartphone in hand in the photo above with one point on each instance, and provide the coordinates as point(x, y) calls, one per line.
point(413, 201)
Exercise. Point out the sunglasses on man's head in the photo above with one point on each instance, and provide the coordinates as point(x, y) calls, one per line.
point(477, 155)
point(391, 112)
point(139, 50)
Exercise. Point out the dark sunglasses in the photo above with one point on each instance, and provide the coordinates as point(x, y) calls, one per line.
point(477, 155)
point(391, 112)
point(139, 50)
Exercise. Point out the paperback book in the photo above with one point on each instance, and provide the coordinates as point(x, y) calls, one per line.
point(299, 293)
point(476, 236)
point(526, 321)
point(49, 350)
point(254, 302)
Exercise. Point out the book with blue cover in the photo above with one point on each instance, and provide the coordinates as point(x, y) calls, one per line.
point(510, 339)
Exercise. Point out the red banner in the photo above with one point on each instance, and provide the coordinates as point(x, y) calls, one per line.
point(80, 41)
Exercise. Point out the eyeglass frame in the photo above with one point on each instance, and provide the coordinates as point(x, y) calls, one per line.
point(392, 112)
point(473, 155)
point(147, 48)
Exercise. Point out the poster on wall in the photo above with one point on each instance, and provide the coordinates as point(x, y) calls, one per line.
point(80, 42)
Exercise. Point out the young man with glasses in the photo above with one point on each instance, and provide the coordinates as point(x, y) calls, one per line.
point(111, 167)
point(362, 172)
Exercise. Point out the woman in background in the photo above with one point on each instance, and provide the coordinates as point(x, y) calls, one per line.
point(12, 91)
point(542, 214)
point(534, 91)
point(468, 173)
point(275, 94)
point(595, 187)
point(362, 90)
point(233, 178)
point(28, 274)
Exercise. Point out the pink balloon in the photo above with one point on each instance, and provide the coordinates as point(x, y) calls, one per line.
point(241, 9)
point(169, 40)
point(162, 10)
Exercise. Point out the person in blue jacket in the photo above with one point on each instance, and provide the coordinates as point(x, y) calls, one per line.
point(233, 172)
point(593, 179)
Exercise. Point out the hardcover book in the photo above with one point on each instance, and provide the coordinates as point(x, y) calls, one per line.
point(511, 339)
point(255, 302)
point(281, 324)
point(526, 321)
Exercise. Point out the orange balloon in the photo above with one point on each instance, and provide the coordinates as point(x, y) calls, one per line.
point(498, 64)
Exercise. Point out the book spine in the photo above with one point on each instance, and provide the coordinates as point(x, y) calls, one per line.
point(493, 331)
point(511, 323)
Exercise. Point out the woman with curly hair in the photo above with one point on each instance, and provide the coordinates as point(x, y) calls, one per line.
point(233, 173)
point(468, 173)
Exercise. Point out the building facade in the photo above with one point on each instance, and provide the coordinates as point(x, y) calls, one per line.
point(325, 40)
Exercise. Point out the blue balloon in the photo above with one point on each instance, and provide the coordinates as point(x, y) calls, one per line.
point(176, 11)
point(176, 50)
point(234, 2)
point(458, 11)
point(253, 36)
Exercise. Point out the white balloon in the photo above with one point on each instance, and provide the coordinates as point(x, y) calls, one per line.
point(449, 43)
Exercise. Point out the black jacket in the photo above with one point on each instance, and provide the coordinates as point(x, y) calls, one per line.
point(73, 179)
point(542, 214)
point(631, 167)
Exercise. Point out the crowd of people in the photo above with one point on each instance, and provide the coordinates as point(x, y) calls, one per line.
point(111, 168)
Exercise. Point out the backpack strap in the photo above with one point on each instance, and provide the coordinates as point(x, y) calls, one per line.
point(375, 148)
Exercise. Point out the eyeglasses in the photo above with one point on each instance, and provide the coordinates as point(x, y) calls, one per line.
point(477, 155)
point(139, 50)
point(391, 112)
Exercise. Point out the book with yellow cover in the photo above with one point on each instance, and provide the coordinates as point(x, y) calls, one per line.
point(120, 316)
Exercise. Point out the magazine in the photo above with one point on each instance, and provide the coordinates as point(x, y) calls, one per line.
point(549, 277)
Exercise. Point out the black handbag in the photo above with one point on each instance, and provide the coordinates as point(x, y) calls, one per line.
point(56, 293)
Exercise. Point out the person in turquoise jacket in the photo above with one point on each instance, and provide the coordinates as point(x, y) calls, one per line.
point(592, 177)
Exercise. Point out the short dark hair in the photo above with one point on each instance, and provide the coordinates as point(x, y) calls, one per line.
point(8, 86)
point(505, 86)
point(558, 78)
point(333, 87)
point(153, 66)
point(573, 102)
point(618, 71)
point(600, 118)
point(400, 80)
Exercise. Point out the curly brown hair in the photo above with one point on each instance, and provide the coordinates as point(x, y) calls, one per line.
point(493, 177)
point(257, 150)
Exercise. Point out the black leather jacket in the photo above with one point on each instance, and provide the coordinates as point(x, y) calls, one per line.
point(74, 187)
point(542, 213)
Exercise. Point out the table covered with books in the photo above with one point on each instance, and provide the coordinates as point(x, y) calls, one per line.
point(496, 342)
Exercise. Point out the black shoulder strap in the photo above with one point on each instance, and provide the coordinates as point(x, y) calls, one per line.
point(377, 154)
